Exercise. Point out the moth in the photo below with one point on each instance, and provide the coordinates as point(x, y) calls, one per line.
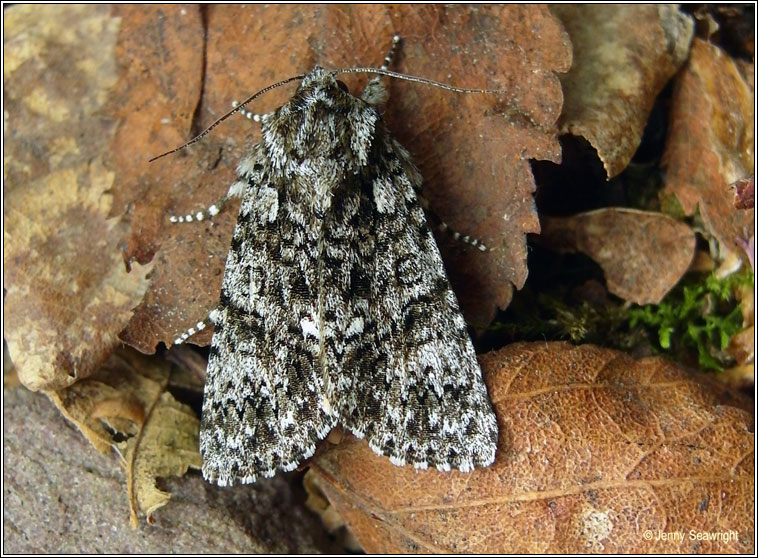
point(335, 307)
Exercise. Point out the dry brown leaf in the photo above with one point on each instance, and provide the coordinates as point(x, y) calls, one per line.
point(740, 377)
point(472, 149)
point(160, 48)
point(596, 450)
point(744, 192)
point(742, 345)
point(623, 56)
point(67, 292)
point(127, 397)
point(710, 143)
point(166, 446)
point(330, 519)
point(113, 401)
point(643, 254)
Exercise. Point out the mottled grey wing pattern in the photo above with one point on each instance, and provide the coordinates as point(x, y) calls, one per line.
point(335, 305)
point(265, 406)
point(417, 391)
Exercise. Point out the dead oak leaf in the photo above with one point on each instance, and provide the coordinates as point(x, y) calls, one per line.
point(473, 150)
point(160, 53)
point(127, 398)
point(623, 57)
point(643, 254)
point(710, 143)
point(112, 402)
point(595, 450)
point(67, 292)
point(167, 445)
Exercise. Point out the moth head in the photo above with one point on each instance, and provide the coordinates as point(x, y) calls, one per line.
point(320, 83)
point(322, 80)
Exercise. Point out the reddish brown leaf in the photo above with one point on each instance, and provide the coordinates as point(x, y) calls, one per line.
point(160, 49)
point(643, 254)
point(744, 192)
point(710, 143)
point(623, 56)
point(473, 150)
point(68, 294)
point(596, 450)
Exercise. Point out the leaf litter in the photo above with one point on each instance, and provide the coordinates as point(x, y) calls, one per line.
point(158, 81)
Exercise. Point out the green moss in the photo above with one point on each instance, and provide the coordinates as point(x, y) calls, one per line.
point(695, 321)
point(670, 206)
point(700, 314)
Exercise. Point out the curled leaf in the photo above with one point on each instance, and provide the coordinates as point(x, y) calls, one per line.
point(112, 402)
point(127, 399)
point(710, 143)
point(166, 446)
point(598, 452)
point(623, 57)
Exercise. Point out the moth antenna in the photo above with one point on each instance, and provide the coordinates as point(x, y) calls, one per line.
point(227, 115)
point(380, 71)
point(416, 79)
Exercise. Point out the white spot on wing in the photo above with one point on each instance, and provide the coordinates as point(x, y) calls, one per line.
point(355, 327)
point(309, 327)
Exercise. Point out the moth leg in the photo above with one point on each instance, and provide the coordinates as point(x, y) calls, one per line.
point(434, 219)
point(235, 191)
point(375, 92)
point(466, 239)
point(199, 326)
point(250, 115)
point(211, 211)
point(442, 226)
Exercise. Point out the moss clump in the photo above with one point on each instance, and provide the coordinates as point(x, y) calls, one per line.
point(695, 321)
point(700, 315)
